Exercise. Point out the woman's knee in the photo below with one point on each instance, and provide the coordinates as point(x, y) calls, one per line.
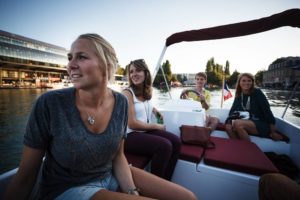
point(165, 145)
point(174, 139)
point(214, 120)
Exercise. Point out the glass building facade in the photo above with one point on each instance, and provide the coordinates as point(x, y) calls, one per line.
point(25, 62)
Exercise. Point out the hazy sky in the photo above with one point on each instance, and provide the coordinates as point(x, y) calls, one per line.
point(139, 28)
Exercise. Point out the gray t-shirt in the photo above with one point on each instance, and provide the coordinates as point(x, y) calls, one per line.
point(74, 155)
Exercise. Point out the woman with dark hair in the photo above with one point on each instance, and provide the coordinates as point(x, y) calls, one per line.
point(144, 137)
point(253, 103)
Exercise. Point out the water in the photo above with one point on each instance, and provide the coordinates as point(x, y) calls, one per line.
point(15, 106)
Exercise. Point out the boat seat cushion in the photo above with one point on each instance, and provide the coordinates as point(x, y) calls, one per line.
point(192, 153)
point(138, 161)
point(238, 155)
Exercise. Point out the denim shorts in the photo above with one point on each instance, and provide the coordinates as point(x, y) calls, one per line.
point(86, 191)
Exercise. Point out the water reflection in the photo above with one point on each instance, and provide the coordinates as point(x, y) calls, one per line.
point(279, 98)
point(15, 106)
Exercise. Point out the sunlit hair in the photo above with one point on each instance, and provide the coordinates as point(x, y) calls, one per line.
point(201, 74)
point(146, 91)
point(107, 55)
point(238, 90)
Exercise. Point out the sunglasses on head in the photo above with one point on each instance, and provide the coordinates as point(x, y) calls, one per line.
point(137, 61)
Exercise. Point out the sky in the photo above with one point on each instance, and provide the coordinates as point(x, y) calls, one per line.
point(138, 29)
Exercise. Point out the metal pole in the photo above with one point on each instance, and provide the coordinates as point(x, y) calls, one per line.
point(159, 66)
point(223, 86)
point(289, 100)
point(159, 62)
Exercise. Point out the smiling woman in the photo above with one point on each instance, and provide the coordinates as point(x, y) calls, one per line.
point(252, 100)
point(81, 132)
point(144, 137)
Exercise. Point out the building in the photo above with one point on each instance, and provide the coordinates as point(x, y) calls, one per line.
point(26, 62)
point(283, 73)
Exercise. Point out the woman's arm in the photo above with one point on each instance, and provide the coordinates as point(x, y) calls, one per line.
point(22, 183)
point(157, 113)
point(265, 107)
point(135, 124)
point(122, 171)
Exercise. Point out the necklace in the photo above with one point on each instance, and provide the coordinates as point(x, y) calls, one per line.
point(90, 118)
point(247, 107)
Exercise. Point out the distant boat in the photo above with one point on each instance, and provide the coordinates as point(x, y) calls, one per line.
point(64, 83)
point(119, 83)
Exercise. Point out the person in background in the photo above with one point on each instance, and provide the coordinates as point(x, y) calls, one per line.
point(199, 93)
point(252, 100)
point(144, 137)
point(277, 186)
point(80, 131)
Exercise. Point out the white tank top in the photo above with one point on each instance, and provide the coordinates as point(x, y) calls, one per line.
point(143, 110)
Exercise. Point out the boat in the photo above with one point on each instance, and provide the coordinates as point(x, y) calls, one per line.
point(233, 168)
point(118, 83)
point(64, 83)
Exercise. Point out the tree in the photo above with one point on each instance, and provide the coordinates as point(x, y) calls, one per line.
point(209, 66)
point(159, 76)
point(259, 77)
point(233, 78)
point(174, 78)
point(227, 71)
point(120, 71)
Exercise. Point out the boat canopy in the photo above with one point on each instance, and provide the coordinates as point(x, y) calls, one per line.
point(287, 18)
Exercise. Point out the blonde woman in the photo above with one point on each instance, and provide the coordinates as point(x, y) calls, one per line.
point(80, 131)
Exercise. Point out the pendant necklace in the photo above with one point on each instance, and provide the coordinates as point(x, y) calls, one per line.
point(90, 119)
point(247, 107)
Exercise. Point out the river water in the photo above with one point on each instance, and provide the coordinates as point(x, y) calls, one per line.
point(15, 106)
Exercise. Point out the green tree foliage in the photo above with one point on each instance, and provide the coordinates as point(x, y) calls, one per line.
point(259, 77)
point(159, 76)
point(120, 71)
point(231, 81)
point(209, 66)
point(174, 77)
point(227, 70)
point(214, 72)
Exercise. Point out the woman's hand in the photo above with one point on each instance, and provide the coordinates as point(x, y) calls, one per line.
point(160, 127)
point(275, 136)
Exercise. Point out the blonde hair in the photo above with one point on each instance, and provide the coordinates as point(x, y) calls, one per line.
point(238, 90)
point(146, 91)
point(105, 51)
